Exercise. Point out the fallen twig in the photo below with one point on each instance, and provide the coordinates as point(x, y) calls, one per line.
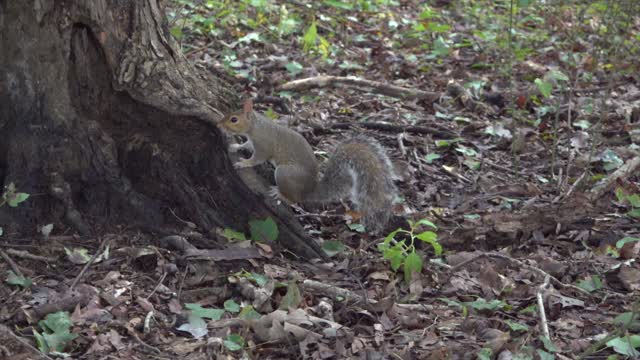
point(521, 264)
point(27, 255)
point(629, 168)
point(352, 81)
point(543, 317)
point(11, 263)
point(433, 129)
point(86, 266)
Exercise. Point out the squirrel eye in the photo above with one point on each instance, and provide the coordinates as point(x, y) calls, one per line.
point(234, 119)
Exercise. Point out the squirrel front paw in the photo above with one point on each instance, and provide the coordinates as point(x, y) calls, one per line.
point(242, 164)
point(235, 147)
point(274, 192)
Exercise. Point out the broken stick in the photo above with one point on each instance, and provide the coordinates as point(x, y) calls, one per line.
point(359, 83)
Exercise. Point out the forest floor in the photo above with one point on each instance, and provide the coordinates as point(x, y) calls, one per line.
point(503, 142)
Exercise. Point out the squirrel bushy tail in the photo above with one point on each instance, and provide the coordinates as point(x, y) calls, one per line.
point(365, 175)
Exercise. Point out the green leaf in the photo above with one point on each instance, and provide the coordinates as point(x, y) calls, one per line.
point(545, 87)
point(450, 302)
point(545, 355)
point(447, 142)
point(395, 257)
point(292, 298)
point(634, 200)
point(324, 47)
point(260, 4)
point(548, 344)
point(41, 342)
point(440, 47)
point(234, 342)
point(626, 345)
point(294, 68)
point(332, 248)
point(467, 151)
point(427, 223)
point(231, 235)
point(482, 304)
point(259, 279)
point(531, 309)
point(14, 279)
point(431, 238)
point(338, 4)
point(249, 313)
point(635, 213)
point(627, 239)
point(57, 341)
point(78, 256)
point(412, 265)
point(485, 354)
point(431, 157)
point(557, 75)
point(516, 326)
point(232, 306)
point(196, 326)
point(176, 31)
point(16, 199)
point(55, 322)
point(427, 236)
point(611, 160)
point(55, 331)
point(391, 235)
point(252, 36)
point(624, 319)
point(263, 230)
point(590, 284)
point(357, 228)
point(199, 311)
point(1, 231)
point(310, 37)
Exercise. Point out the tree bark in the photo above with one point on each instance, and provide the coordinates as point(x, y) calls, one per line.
point(104, 122)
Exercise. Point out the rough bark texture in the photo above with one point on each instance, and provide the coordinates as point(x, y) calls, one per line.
point(104, 122)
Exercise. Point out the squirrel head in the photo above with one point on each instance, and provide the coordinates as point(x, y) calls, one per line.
point(238, 122)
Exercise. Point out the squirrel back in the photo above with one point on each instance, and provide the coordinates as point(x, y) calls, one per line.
point(361, 171)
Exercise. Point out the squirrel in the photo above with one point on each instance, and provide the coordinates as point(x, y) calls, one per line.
point(359, 168)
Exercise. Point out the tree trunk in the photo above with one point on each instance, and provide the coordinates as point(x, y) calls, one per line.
point(104, 122)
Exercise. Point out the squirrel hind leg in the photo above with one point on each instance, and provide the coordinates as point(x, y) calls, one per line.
point(376, 214)
point(336, 184)
point(293, 183)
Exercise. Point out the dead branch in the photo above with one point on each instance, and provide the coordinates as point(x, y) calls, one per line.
point(359, 83)
point(520, 264)
point(86, 266)
point(626, 170)
point(11, 263)
point(27, 255)
point(543, 317)
point(14, 346)
point(432, 129)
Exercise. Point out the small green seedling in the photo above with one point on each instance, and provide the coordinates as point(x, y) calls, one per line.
point(56, 334)
point(12, 198)
point(400, 253)
point(632, 199)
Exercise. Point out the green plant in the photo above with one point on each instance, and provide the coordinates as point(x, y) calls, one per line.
point(632, 199)
point(261, 231)
point(234, 342)
point(12, 198)
point(403, 252)
point(15, 279)
point(56, 334)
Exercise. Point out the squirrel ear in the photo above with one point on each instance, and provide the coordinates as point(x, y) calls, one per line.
point(248, 106)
